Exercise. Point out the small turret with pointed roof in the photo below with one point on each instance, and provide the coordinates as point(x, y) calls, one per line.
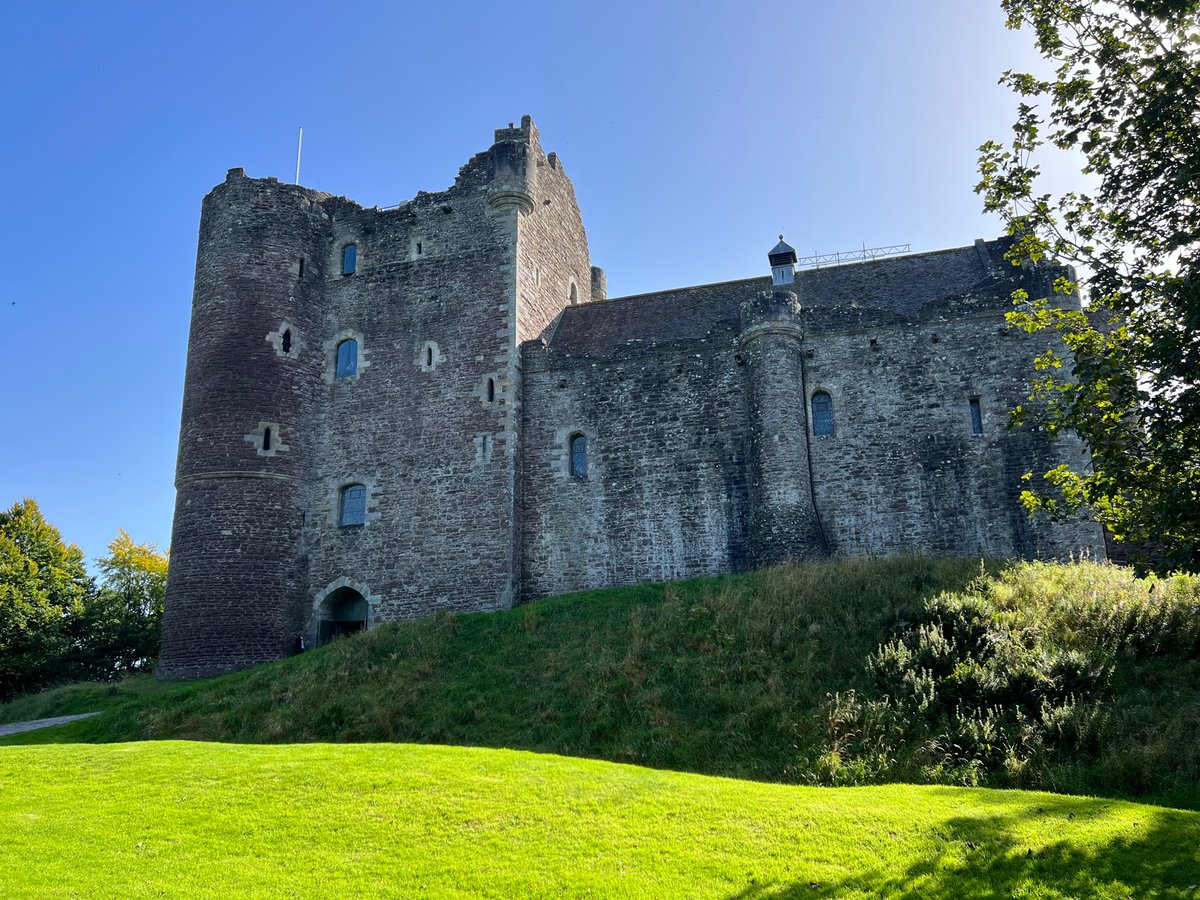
point(783, 263)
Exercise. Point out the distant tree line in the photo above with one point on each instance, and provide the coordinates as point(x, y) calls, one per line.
point(58, 623)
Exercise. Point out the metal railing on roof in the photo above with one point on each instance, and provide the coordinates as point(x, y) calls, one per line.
point(866, 254)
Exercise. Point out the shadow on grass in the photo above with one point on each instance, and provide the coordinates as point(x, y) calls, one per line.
point(1156, 855)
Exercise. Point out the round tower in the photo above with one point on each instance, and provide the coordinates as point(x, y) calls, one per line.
point(783, 516)
point(237, 581)
point(512, 168)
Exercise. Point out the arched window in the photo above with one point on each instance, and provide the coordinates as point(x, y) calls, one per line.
point(578, 448)
point(491, 390)
point(347, 358)
point(266, 438)
point(574, 294)
point(287, 341)
point(349, 259)
point(429, 356)
point(353, 507)
point(822, 414)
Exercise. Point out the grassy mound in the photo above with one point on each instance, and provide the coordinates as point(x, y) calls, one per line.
point(209, 820)
point(1079, 678)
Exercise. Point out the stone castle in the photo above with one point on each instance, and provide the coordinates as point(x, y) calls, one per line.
point(391, 412)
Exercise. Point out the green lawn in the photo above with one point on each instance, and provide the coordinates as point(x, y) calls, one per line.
point(1079, 679)
point(181, 819)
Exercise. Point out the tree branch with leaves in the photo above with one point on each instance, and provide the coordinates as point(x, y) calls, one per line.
point(1125, 95)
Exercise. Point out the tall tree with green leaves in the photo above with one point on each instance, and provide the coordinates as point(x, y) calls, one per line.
point(44, 589)
point(1125, 94)
point(123, 622)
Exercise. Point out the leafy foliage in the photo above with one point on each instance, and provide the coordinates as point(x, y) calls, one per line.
point(55, 623)
point(1026, 679)
point(123, 621)
point(1125, 94)
point(43, 589)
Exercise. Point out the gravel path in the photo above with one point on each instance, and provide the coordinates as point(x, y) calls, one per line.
point(18, 727)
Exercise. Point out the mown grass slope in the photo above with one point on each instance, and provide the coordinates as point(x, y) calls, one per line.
point(216, 820)
point(1075, 678)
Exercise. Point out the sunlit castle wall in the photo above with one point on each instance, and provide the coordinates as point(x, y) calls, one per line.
point(436, 407)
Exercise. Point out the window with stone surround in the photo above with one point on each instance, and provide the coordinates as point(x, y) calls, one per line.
point(267, 439)
point(976, 416)
point(429, 356)
point(352, 510)
point(349, 259)
point(578, 461)
point(822, 414)
point(347, 358)
point(285, 340)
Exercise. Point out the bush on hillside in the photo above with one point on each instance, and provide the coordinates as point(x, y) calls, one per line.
point(1041, 674)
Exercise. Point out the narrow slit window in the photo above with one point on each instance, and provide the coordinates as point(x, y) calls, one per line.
point(287, 341)
point(976, 416)
point(347, 358)
point(491, 390)
point(266, 438)
point(579, 459)
point(353, 506)
point(429, 356)
point(822, 414)
point(300, 267)
point(418, 248)
point(349, 259)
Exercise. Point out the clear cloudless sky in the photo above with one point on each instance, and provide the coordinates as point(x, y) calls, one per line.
point(694, 133)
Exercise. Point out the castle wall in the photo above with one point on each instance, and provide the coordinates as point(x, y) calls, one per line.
point(697, 447)
point(236, 586)
point(416, 425)
point(485, 343)
point(553, 264)
point(903, 470)
point(665, 493)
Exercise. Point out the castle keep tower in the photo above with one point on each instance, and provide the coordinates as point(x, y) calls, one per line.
point(350, 432)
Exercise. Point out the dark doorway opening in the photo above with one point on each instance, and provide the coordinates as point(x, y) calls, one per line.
point(342, 613)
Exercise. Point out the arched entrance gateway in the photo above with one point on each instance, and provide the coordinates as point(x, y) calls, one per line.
point(342, 612)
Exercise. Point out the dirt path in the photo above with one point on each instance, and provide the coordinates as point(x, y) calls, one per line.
point(18, 727)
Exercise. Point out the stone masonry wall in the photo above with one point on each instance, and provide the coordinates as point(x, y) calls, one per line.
point(416, 426)
point(665, 492)
point(485, 344)
point(553, 268)
point(675, 439)
point(903, 470)
point(236, 581)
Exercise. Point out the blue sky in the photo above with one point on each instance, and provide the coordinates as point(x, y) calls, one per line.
point(694, 133)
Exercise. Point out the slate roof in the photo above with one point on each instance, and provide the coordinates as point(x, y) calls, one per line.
point(899, 287)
